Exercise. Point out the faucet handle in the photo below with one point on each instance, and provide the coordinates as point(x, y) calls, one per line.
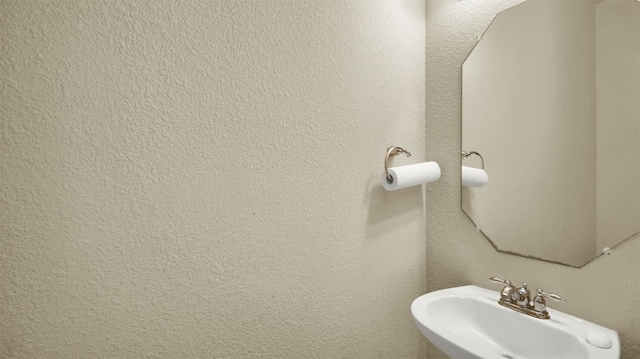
point(539, 304)
point(544, 294)
point(508, 293)
point(498, 280)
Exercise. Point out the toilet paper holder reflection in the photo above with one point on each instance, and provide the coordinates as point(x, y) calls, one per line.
point(466, 154)
point(392, 151)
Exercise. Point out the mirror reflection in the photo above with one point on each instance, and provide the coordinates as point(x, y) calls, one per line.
point(551, 100)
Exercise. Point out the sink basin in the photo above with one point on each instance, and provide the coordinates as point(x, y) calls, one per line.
point(468, 322)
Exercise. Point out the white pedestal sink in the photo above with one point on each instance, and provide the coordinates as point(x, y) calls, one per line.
point(467, 322)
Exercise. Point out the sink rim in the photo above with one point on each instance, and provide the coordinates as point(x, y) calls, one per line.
point(449, 342)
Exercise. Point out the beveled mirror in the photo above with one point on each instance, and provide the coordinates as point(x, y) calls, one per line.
point(551, 100)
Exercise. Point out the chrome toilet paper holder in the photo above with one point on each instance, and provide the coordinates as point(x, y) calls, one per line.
point(393, 151)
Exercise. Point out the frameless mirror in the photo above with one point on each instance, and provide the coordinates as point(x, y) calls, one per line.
point(551, 100)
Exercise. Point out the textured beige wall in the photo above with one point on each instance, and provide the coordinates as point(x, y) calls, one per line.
point(605, 291)
point(201, 179)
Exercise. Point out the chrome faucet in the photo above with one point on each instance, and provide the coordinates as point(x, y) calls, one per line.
point(519, 299)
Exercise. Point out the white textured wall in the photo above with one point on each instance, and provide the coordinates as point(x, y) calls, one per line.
point(605, 291)
point(201, 179)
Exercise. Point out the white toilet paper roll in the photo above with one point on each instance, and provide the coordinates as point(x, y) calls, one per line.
point(411, 175)
point(474, 177)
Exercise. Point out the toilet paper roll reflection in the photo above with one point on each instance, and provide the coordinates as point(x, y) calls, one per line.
point(474, 177)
